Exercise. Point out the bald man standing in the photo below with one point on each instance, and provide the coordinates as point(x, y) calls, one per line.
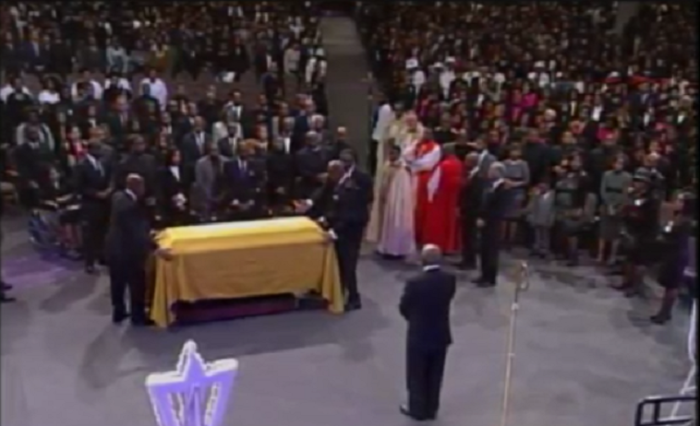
point(342, 208)
point(128, 246)
point(425, 304)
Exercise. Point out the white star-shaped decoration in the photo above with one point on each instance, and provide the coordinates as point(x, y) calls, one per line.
point(196, 393)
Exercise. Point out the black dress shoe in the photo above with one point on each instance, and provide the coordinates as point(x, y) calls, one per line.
point(485, 284)
point(465, 266)
point(660, 318)
point(145, 322)
point(118, 317)
point(6, 299)
point(478, 281)
point(5, 286)
point(91, 269)
point(403, 409)
point(353, 306)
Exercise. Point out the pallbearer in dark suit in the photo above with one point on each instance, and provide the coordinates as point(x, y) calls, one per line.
point(245, 184)
point(425, 304)
point(342, 206)
point(93, 182)
point(491, 212)
point(128, 246)
point(470, 202)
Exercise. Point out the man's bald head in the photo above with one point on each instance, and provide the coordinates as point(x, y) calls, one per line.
point(336, 170)
point(135, 184)
point(430, 254)
point(472, 159)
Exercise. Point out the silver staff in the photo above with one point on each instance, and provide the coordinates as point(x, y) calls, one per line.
point(522, 283)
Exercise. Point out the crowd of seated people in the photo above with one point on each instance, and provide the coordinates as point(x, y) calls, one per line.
point(569, 100)
point(232, 150)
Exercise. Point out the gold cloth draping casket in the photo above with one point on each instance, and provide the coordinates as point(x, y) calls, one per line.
point(244, 259)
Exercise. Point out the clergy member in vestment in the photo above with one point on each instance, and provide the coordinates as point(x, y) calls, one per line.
point(405, 132)
point(423, 157)
point(395, 208)
point(440, 225)
point(383, 117)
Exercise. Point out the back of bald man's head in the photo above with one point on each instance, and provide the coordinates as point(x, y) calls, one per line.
point(335, 165)
point(472, 158)
point(430, 254)
point(133, 180)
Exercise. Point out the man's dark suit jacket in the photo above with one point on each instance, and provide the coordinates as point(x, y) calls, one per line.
point(301, 126)
point(129, 233)
point(425, 304)
point(470, 196)
point(226, 147)
point(244, 185)
point(170, 184)
point(33, 57)
point(89, 181)
point(144, 165)
point(492, 209)
point(345, 205)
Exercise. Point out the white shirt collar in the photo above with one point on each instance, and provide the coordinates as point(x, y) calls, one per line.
point(92, 160)
point(130, 193)
point(427, 268)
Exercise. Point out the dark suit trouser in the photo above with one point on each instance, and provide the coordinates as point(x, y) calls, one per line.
point(125, 273)
point(489, 250)
point(373, 144)
point(469, 245)
point(424, 372)
point(95, 223)
point(347, 248)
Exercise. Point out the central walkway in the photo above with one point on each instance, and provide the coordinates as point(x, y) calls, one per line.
point(346, 83)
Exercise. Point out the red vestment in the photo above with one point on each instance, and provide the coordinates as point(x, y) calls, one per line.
point(427, 153)
point(441, 224)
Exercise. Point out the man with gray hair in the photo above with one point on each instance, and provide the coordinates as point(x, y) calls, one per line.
point(489, 220)
point(311, 163)
point(425, 304)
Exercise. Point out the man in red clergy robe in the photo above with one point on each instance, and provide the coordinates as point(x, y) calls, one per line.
point(441, 222)
point(422, 158)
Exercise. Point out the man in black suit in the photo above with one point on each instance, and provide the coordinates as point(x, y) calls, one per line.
point(193, 147)
point(425, 304)
point(142, 163)
point(280, 176)
point(128, 246)
point(340, 143)
point(311, 163)
point(245, 184)
point(342, 207)
point(469, 201)
point(490, 217)
point(118, 119)
point(93, 181)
